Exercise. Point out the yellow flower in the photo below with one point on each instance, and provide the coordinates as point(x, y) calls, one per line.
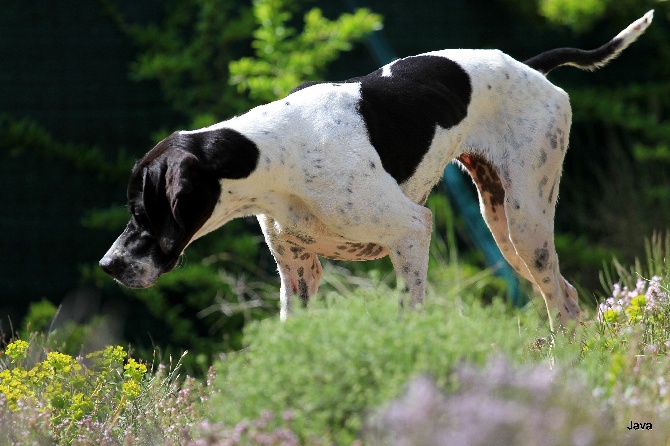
point(81, 405)
point(108, 359)
point(131, 389)
point(134, 370)
point(62, 363)
point(12, 385)
point(637, 305)
point(611, 315)
point(17, 350)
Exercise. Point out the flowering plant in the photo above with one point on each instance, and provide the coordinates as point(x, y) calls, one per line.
point(69, 390)
point(643, 310)
point(631, 304)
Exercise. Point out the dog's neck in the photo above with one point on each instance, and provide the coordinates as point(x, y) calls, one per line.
point(292, 135)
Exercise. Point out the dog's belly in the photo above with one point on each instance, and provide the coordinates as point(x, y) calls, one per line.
point(293, 230)
point(329, 246)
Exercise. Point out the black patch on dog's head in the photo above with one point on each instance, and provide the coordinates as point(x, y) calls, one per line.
point(180, 181)
point(225, 152)
point(401, 111)
point(172, 192)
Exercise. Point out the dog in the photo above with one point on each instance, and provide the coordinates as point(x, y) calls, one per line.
point(342, 169)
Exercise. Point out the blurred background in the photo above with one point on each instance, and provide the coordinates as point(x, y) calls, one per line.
point(88, 87)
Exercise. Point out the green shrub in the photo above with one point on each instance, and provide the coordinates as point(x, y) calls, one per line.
point(321, 376)
point(331, 364)
point(59, 330)
point(344, 355)
point(39, 317)
point(285, 58)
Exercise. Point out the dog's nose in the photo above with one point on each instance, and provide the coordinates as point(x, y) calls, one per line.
point(110, 265)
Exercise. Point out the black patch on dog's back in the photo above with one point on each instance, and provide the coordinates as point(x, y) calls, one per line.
point(401, 112)
point(306, 85)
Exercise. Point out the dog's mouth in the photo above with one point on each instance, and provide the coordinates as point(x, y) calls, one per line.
point(134, 275)
point(131, 274)
point(134, 272)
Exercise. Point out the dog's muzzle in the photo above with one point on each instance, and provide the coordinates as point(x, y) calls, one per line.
point(133, 274)
point(135, 265)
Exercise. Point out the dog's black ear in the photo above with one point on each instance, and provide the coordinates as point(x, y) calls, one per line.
point(181, 173)
point(163, 183)
point(155, 205)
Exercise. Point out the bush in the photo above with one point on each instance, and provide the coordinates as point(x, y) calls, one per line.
point(332, 362)
point(317, 378)
point(70, 392)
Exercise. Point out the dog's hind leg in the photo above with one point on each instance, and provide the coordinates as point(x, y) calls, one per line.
point(531, 233)
point(530, 200)
point(491, 202)
point(299, 270)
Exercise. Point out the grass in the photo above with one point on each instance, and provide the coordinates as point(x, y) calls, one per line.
point(352, 370)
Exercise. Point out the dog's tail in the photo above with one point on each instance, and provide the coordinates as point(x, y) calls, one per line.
point(590, 60)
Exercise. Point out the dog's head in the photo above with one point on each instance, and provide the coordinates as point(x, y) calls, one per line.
point(172, 192)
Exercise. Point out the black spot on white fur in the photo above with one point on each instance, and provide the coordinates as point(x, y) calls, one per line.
point(402, 111)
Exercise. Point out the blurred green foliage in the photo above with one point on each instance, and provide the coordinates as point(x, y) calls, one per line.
point(286, 58)
point(22, 135)
point(583, 15)
point(188, 53)
point(579, 14)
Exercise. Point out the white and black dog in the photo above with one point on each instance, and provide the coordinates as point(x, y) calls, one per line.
point(342, 170)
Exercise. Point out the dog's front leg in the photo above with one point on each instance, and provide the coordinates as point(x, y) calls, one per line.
point(299, 270)
point(300, 277)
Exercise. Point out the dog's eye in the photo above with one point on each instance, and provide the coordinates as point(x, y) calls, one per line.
point(141, 218)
